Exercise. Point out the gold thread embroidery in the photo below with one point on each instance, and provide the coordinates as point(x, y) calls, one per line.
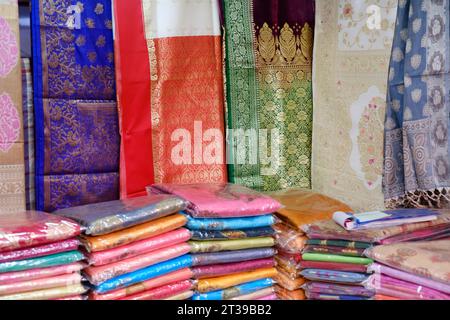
point(285, 48)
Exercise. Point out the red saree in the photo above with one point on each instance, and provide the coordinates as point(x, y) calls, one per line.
point(170, 92)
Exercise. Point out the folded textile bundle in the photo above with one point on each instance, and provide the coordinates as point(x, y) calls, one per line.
point(340, 262)
point(136, 248)
point(232, 242)
point(39, 257)
point(411, 270)
point(301, 207)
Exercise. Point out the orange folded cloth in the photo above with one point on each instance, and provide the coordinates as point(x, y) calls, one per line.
point(285, 294)
point(219, 283)
point(289, 239)
point(287, 282)
point(129, 235)
point(305, 206)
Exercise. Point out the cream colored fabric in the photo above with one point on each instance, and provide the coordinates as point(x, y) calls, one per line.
point(353, 40)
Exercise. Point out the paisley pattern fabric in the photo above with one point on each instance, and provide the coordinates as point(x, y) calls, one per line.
point(77, 141)
point(12, 174)
point(269, 92)
point(353, 41)
point(416, 166)
point(170, 88)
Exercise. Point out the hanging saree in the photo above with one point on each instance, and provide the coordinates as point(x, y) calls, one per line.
point(170, 88)
point(416, 166)
point(269, 92)
point(351, 52)
point(28, 129)
point(77, 141)
point(12, 174)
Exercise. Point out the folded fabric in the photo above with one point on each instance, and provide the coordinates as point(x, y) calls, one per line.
point(162, 292)
point(228, 245)
point(339, 243)
point(39, 251)
point(230, 268)
point(107, 217)
point(289, 239)
point(56, 259)
point(429, 259)
point(352, 252)
point(223, 282)
point(78, 297)
point(409, 277)
point(303, 206)
point(349, 267)
point(181, 296)
point(220, 200)
point(389, 286)
point(381, 297)
point(337, 289)
point(204, 259)
point(334, 276)
point(231, 234)
point(97, 275)
point(285, 294)
point(137, 248)
point(221, 224)
point(235, 291)
point(272, 296)
point(145, 274)
point(47, 294)
point(287, 282)
point(427, 234)
point(39, 284)
point(328, 229)
point(32, 274)
point(33, 228)
point(139, 232)
point(324, 257)
point(323, 296)
point(256, 295)
point(176, 276)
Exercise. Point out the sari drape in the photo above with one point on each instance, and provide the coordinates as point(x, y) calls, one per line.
point(269, 93)
point(170, 88)
point(417, 157)
point(77, 141)
point(28, 129)
point(353, 40)
point(12, 168)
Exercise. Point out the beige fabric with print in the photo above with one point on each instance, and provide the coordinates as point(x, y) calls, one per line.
point(351, 56)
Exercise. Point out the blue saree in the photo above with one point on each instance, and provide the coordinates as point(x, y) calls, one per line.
point(76, 126)
point(416, 153)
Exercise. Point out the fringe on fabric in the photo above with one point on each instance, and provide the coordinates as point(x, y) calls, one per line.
point(434, 198)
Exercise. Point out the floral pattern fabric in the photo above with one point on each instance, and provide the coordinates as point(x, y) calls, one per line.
point(77, 140)
point(416, 165)
point(268, 47)
point(429, 259)
point(12, 174)
point(351, 55)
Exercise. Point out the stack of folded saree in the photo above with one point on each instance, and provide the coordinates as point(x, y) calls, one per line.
point(338, 262)
point(39, 257)
point(232, 240)
point(300, 207)
point(136, 248)
point(411, 270)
